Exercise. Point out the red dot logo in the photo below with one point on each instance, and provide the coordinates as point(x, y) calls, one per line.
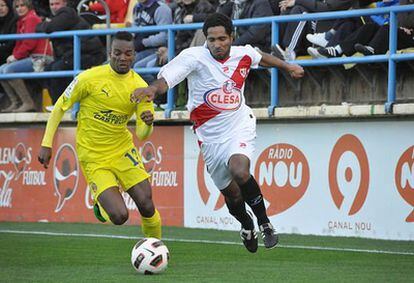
point(349, 172)
point(282, 172)
point(202, 187)
point(404, 179)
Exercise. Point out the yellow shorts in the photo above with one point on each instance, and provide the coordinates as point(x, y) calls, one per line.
point(126, 171)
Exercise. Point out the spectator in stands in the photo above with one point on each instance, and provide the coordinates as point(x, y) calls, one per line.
point(92, 53)
point(8, 21)
point(255, 35)
point(380, 42)
point(190, 11)
point(341, 28)
point(292, 33)
point(362, 35)
point(22, 57)
point(195, 11)
point(225, 7)
point(149, 13)
point(117, 8)
point(42, 8)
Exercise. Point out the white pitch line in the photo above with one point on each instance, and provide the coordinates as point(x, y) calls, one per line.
point(202, 241)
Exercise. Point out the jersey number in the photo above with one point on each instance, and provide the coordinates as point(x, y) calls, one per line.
point(130, 157)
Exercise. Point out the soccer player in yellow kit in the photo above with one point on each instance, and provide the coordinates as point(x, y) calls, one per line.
point(104, 145)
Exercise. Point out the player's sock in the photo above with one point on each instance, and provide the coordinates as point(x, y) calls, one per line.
point(100, 213)
point(238, 210)
point(151, 226)
point(254, 198)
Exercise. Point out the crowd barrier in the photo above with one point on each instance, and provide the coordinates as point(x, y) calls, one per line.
point(392, 58)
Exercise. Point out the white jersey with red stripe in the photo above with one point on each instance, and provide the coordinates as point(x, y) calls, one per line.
point(215, 89)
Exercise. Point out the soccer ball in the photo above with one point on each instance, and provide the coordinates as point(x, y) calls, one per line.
point(150, 256)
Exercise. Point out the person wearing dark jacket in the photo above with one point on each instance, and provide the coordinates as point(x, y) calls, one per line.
point(92, 54)
point(8, 21)
point(255, 35)
point(292, 34)
point(380, 42)
point(25, 53)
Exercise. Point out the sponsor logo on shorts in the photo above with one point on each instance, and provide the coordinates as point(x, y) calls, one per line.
point(65, 174)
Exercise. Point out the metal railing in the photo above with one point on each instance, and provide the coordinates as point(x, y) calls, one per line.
point(392, 58)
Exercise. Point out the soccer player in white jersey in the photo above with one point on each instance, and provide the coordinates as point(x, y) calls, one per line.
point(224, 124)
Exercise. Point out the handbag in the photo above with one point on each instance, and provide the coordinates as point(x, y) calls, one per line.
point(40, 61)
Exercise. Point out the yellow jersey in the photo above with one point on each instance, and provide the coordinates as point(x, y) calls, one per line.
point(105, 109)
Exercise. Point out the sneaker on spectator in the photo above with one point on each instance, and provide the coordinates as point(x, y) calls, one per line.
point(270, 238)
point(50, 108)
point(364, 49)
point(285, 55)
point(323, 53)
point(318, 39)
point(277, 51)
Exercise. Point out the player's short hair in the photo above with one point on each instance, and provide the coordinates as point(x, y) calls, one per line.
point(218, 20)
point(123, 35)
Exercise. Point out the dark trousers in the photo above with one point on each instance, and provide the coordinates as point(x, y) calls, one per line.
point(293, 33)
point(362, 35)
point(343, 28)
point(380, 41)
point(57, 86)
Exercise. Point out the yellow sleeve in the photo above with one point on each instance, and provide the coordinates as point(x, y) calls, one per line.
point(53, 123)
point(142, 130)
point(75, 91)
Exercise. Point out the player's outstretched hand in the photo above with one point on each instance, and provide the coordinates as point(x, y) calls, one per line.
point(147, 117)
point(296, 71)
point(44, 156)
point(144, 92)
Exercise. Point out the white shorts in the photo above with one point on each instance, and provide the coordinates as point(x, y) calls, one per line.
point(217, 155)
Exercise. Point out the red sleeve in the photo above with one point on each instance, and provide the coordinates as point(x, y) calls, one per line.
point(114, 6)
point(97, 7)
point(25, 47)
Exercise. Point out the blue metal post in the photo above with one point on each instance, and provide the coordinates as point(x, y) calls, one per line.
point(171, 54)
point(274, 81)
point(76, 68)
point(392, 65)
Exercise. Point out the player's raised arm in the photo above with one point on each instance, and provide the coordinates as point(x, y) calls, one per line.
point(295, 71)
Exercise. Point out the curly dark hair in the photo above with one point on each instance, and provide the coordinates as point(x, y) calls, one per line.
point(217, 20)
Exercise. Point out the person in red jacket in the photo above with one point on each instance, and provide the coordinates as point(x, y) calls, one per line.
point(117, 8)
point(25, 52)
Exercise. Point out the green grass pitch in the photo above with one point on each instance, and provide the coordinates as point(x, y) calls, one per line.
point(52, 252)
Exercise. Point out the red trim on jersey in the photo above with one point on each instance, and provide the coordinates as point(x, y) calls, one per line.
point(244, 66)
point(202, 113)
